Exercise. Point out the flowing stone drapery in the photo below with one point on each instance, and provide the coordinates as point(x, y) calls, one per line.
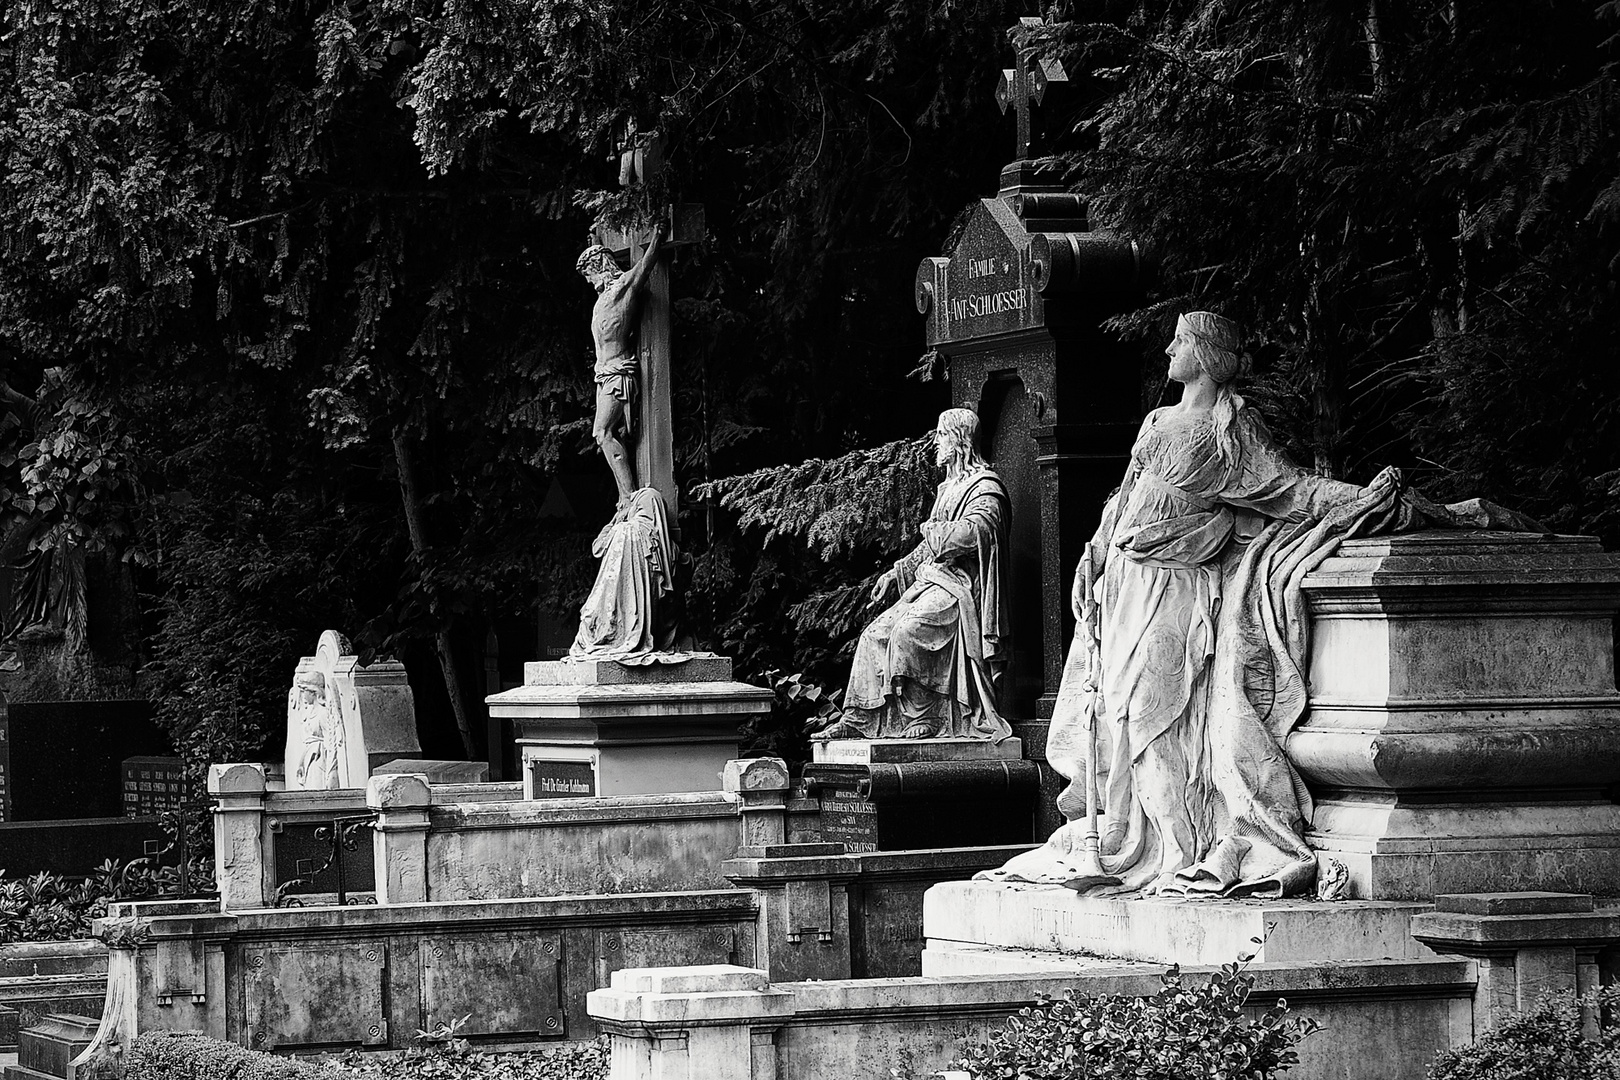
point(618, 619)
point(935, 653)
point(1189, 651)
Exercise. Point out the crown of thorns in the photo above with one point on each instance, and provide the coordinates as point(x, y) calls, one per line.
point(594, 258)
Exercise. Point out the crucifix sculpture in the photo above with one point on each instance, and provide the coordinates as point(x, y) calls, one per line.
point(651, 425)
point(1025, 83)
point(632, 612)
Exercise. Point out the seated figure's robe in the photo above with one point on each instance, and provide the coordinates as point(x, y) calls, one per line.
point(935, 655)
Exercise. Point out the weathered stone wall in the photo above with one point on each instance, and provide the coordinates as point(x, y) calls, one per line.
point(486, 842)
point(1382, 1020)
point(305, 979)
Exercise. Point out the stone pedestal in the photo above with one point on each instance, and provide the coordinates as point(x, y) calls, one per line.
point(712, 1022)
point(901, 794)
point(45, 1048)
point(804, 901)
point(598, 727)
point(1526, 944)
point(987, 927)
point(1464, 720)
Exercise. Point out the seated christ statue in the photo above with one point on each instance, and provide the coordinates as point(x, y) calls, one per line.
point(930, 664)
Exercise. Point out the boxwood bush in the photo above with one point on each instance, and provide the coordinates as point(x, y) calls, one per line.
point(168, 1055)
point(190, 1055)
point(1189, 1030)
point(1549, 1042)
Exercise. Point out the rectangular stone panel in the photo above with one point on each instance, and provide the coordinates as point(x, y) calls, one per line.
point(675, 946)
point(508, 985)
point(316, 994)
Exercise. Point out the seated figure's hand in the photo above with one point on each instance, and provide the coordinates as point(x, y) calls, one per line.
point(886, 588)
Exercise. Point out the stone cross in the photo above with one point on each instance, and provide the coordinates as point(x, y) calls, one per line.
point(655, 438)
point(1026, 83)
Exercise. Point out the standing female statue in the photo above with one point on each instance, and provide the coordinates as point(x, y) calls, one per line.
point(1189, 640)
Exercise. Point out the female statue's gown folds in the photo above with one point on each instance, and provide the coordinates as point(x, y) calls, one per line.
point(1188, 651)
point(932, 657)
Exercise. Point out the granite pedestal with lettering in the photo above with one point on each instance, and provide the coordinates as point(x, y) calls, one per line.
point(903, 794)
point(598, 727)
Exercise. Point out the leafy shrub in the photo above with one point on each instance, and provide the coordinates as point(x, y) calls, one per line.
point(1545, 1043)
point(450, 1058)
point(47, 907)
point(799, 708)
point(1183, 1032)
point(186, 1055)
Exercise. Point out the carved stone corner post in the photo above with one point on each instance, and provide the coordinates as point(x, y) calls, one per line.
point(243, 865)
point(761, 786)
point(714, 1022)
point(1525, 943)
point(399, 837)
point(803, 894)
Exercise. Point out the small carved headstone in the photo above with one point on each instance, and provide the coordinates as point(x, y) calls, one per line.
point(344, 719)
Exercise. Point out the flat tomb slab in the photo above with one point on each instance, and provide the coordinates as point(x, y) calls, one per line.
point(697, 667)
point(1052, 919)
point(908, 751)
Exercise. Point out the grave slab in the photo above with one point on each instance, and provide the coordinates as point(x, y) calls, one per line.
point(1053, 920)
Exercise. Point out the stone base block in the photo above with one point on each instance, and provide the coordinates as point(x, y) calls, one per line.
point(908, 751)
point(1054, 920)
point(1402, 848)
point(48, 1045)
point(605, 728)
point(947, 959)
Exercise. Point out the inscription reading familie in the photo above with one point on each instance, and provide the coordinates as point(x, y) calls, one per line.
point(992, 303)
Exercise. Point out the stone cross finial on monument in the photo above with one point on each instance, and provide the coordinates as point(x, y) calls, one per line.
point(1025, 84)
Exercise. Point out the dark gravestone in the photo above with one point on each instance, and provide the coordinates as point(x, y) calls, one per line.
point(1016, 309)
point(153, 785)
point(75, 847)
point(913, 805)
point(67, 756)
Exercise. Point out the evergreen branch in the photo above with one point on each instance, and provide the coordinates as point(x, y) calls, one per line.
point(875, 496)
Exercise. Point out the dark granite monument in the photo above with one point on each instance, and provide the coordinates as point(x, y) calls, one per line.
point(1015, 309)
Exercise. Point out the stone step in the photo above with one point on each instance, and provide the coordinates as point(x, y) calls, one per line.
point(1052, 919)
point(48, 1045)
point(20, 1072)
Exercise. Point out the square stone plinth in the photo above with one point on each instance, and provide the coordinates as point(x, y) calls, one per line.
point(1000, 922)
point(604, 728)
point(909, 751)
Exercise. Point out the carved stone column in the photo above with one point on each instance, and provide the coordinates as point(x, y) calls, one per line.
point(242, 865)
point(761, 786)
point(399, 837)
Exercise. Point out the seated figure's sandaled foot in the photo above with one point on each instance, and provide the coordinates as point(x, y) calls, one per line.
point(843, 729)
point(922, 729)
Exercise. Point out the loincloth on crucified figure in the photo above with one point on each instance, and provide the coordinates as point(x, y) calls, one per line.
point(620, 378)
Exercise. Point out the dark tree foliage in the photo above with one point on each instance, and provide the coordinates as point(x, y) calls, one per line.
point(302, 274)
point(1415, 206)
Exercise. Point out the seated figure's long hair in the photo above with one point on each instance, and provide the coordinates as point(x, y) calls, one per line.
point(958, 429)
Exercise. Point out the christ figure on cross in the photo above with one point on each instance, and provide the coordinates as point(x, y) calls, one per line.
point(613, 330)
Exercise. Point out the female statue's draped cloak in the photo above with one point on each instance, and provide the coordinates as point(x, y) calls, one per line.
point(934, 655)
point(1188, 651)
